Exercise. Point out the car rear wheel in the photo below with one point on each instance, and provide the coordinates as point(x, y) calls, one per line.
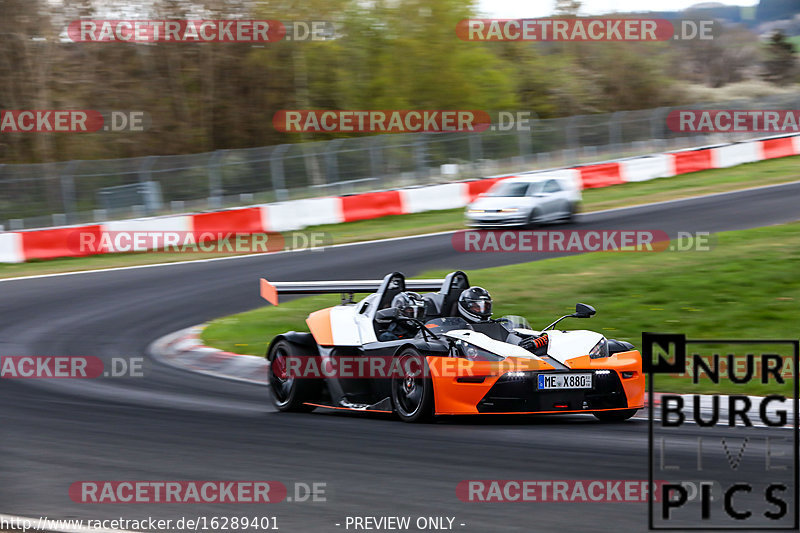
point(289, 393)
point(572, 208)
point(412, 394)
point(533, 219)
point(615, 416)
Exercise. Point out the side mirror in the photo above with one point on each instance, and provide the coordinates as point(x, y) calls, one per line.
point(583, 311)
point(387, 315)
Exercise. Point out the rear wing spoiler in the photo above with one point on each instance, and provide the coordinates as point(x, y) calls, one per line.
point(271, 290)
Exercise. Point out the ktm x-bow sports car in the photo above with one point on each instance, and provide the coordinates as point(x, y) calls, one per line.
point(441, 364)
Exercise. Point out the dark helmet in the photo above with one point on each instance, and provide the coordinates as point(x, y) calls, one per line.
point(475, 304)
point(410, 304)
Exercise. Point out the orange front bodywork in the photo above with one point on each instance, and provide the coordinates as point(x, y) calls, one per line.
point(458, 393)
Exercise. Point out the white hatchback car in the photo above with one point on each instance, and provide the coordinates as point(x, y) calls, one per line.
point(524, 201)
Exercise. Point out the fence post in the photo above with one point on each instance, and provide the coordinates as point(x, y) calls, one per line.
point(68, 191)
point(524, 137)
point(276, 169)
point(571, 133)
point(614, 129)
point(420, 156)
point(214, 180)
point(331, 161)
point(145, 169)
point(374, 156)
point(475, 147)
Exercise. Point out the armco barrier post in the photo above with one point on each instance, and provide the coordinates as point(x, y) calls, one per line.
point(332, 161)
point(68, 191)
point(145, 172)
point(375, 155)
point(276, 169)
point(420, 157)
point(214, 181)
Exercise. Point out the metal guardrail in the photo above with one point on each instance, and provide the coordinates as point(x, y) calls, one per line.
point(46, 194)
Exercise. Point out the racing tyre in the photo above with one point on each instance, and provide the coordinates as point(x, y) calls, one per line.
point(412, 395)
point(533, 219)
point(615, 416)
point(288, 393)
point(572, 208)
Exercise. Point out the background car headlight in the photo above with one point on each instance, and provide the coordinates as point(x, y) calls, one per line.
point(600, 349)
point(474, 210)
point(509, 210)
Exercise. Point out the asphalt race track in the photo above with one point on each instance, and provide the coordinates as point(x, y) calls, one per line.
point(174, 425)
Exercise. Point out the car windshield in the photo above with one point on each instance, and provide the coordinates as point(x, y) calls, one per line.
point(509, 189)
point(512, 322)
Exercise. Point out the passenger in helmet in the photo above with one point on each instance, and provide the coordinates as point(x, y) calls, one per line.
point(475, 305)
point(411, 308)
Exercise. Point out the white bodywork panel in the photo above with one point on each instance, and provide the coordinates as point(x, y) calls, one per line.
point(565, 345)
point(480, 340)
point(349, 327)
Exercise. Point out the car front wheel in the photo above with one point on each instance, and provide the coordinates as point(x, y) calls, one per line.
point(412, 392)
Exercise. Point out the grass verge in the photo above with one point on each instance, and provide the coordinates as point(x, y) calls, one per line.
point(745, 287)
point(706, 182)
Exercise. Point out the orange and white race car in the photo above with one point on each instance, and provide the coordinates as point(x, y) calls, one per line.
point(439, 363)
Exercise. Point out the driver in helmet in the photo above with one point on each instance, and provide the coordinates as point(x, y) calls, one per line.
point(475, 305)
point(411, 308)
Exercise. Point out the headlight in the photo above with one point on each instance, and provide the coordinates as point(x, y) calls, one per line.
point(600, 349)
point(475, 210)
point(509, 210)
point(469, 351)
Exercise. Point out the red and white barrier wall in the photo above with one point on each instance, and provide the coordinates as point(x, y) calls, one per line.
point(17, 247)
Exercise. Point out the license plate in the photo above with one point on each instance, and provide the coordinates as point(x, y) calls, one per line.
point(565, 381)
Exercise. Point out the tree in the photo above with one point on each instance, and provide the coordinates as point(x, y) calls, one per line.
point(567, 8)
point(780, 66)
